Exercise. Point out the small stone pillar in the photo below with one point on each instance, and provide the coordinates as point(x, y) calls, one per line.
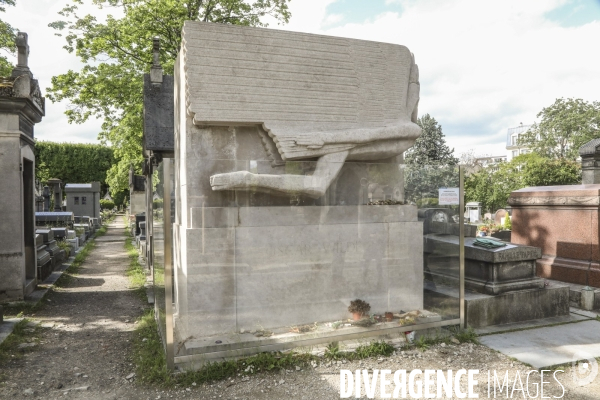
point(21, 107)
point(46, 196)
point(590, 162)
point(57, 191)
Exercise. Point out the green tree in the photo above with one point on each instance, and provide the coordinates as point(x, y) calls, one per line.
point(73, 162)
point(7, 40)
point(493, 187)
point(431, 164)
point(430, 148)
point(116, 53)
point(564, 127)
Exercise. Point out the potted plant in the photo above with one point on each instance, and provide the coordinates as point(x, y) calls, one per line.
point(359, 308)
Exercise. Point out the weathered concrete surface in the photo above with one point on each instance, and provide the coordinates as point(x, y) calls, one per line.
point(545, 347)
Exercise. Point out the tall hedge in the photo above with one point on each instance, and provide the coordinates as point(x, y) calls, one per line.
point(73, 162)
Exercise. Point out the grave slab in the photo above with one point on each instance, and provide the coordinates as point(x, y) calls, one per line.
point(545, 347)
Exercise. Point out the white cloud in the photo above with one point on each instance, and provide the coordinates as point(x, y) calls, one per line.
point(47, 58)
point(485, 65)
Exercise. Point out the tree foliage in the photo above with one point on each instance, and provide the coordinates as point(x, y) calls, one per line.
point(73, 162)
point(107, 204)
point(7, 40)
point(492, 187)
point(117, 51)
point(431, 164)
point(564, 127)
point(430, 148)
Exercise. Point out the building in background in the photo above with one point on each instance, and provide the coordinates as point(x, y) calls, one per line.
point(512, 139)
point(488, 162)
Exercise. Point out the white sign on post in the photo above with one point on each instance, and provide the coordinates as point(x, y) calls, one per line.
point(449, 197)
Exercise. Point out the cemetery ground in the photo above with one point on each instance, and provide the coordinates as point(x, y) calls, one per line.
point(94, 337)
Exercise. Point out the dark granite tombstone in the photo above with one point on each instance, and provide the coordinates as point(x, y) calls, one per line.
point(44, 259)
point(62, 218)
point(139, 218)
point(59, 233)
point(142, 230)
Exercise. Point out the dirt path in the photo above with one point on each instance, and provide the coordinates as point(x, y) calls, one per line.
point(84, 350)
point(84, 334)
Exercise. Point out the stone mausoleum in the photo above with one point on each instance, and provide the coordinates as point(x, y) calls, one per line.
point(278, 138)
point(83, 199)
point(21, 107)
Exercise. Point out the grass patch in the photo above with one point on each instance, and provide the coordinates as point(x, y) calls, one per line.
point(135, 272)
point(151, 367)
point(19, 309)
point(148, 353)
point(465, 335)
point(373, 349)
point(20, 334)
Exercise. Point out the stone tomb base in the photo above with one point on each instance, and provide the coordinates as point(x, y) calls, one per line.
point(563, 222)
point(264, 268)
point(486, 310)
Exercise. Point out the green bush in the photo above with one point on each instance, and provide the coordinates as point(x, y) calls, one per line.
point(426, 202)
point(107, 204)
point(507, 223)
point(158, 203)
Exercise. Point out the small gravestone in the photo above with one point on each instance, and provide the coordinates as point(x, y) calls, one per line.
point(139, 218)
point(142, 230)
point(499, 216)
point(59, 233)
point(58, 254)
point(86, 231)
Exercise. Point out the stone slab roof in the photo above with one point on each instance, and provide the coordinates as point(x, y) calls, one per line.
point(589, 148)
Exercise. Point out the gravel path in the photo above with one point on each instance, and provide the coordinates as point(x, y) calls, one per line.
point(83, 350)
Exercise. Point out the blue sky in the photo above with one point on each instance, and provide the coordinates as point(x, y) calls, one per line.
point(484, 66)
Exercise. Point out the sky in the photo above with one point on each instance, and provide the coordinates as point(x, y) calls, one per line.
point(484, 66)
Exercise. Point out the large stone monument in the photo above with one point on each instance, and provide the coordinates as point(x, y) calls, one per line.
point(278, 137)
point(21, 107)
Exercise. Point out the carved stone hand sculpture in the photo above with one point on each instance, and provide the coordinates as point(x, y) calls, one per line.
point(322, 97)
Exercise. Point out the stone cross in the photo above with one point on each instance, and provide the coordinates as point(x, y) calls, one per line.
point(23, 49)
point(22, 67)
